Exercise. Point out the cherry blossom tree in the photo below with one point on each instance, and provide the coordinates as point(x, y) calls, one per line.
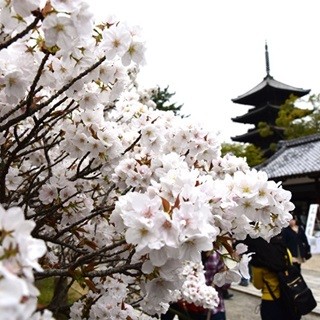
point(100, 189)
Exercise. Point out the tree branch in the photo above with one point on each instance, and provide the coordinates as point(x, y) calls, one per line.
point(21, 34)
point(52, 98)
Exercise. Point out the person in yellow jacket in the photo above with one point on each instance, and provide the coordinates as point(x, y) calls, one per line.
point(264, 279)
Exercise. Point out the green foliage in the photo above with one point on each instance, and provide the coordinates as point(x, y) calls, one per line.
point(253, 154)
point(45, 287)
point(292, 121)
point(265, 129)
point(289, 112)
point(236, 149)
point(162, 99)
point(273, 147)
point(298, 122)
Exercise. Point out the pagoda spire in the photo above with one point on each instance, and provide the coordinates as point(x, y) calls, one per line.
point(267, 59)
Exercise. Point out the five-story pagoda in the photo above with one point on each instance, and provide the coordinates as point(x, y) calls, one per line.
point(266, 99)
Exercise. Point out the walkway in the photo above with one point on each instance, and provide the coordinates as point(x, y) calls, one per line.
point(311, 274)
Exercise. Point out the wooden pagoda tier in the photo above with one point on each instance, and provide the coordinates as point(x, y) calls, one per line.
point(256, 115)
point(253, 136)
point(269, 90)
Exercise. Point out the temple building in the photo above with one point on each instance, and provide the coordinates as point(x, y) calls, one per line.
point(296, 164)
point(266, 99)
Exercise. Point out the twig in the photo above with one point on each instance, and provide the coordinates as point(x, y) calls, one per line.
point(21, 34)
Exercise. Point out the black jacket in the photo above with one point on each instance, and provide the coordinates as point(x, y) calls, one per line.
point(271, 255)
point(295, 240)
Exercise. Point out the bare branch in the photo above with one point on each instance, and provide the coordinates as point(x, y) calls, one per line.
point(35, 81)
point(62, 243)
point(79, 222)
point(52, 98)
point(91, 274)
point(132, 145)
point(91, 255)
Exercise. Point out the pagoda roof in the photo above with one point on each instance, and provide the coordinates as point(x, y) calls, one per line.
point(253, 136)
point(268, 88)
point(255, 115)
point(294, 158)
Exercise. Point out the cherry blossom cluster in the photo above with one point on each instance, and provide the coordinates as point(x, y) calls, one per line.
point(182, 212)
point(234, 272)
point(109, 301)
point(124, 196)
point(194, 289)
point(18, 258)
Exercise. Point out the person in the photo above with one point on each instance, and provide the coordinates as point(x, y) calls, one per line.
point(244, 282)
point(268, 257)
point(213, 263)
point(226, 294)
point(297, 242)
point(174, 309)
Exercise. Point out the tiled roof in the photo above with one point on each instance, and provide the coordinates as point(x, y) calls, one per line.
point(297, 157)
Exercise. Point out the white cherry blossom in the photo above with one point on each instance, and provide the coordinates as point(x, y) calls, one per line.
point(17, 293)
point(26, 7)
point(58, 30)
point(116, 41)
point(48, 193)
point(15, 86)
point(66, 5)
point(126, 196)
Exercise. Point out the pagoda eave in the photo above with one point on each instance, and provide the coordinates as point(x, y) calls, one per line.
point(269, 90)
point(256, 115)
point(253, 136)
point(262, 144)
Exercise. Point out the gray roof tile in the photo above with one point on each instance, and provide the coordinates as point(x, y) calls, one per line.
point(297, 157)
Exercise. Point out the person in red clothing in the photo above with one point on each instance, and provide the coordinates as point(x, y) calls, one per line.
point(213, 263)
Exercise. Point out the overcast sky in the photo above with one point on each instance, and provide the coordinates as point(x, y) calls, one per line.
point(209, 52)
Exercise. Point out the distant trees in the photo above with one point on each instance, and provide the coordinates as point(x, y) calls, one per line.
point(162, 99)
point(252, 153)
point(290, 123)
point(298, 122)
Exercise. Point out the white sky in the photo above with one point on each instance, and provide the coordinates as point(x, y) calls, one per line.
point(210, 51)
